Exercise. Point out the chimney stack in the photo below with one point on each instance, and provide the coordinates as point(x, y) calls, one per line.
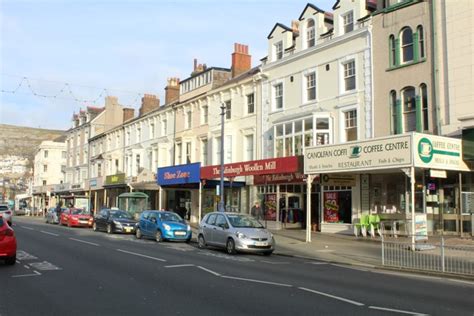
point(241, 60)
point(295, 26)
point(149, 103)
point(128, 114)
point(172, 90)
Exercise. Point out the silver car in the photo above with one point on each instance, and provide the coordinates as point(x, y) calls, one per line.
point(6, 213)
point(235, 232)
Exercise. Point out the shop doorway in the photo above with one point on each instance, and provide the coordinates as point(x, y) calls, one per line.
point(292, 214)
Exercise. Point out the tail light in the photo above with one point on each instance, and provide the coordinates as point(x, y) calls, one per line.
point(9, 212)
point(7, 232)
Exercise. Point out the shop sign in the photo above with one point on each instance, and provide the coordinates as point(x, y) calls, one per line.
point(331, 207)
point(296, 177)
point(181, 174)
point(255, 167)
point(438, 174)
point(75, 186)
point(384, 153)
point(118, 178)
point(421, 227)
point(438, 152)
point(61, 187)
point(93, 183)
point(347, 180)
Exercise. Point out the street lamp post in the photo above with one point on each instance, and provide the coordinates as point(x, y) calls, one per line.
point(221, 186)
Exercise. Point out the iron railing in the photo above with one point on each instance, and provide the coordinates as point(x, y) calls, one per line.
point(441, 255)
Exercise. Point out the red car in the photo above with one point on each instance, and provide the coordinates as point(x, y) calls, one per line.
point(7, 243)
point(76, 217)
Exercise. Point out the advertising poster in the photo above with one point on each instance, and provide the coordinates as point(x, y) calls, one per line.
point(421, 227)
point(331, 207)
point(270, 207)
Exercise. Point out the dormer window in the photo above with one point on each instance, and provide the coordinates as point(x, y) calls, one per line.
point(310, 33)
point(348, 22)
point(278, 49)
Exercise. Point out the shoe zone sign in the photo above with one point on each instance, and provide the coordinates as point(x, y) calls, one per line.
point(180, 174)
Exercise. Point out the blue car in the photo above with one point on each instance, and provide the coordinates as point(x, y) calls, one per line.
point(163, 225)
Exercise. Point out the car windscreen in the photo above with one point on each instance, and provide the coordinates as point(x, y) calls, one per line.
point(170, 217)
point(243, 221)
point(3, 207)
point(121, 214)
point(79, 211)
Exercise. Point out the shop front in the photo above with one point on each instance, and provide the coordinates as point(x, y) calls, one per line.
point(180, 190)
point(145, 182)
point(114, 185)
point(277, 184)
point(395, 177)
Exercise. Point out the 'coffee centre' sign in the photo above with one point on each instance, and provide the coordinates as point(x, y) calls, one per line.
point(383, 153)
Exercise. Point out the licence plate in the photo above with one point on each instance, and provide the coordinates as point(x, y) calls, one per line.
point(260, 243)
point(179, 233)
point(128, 229)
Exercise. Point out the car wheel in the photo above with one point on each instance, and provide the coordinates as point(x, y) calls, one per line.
point(201, 242)
point(230, 246)
point(159, 236)
point(109, 229)
point(138, 233)
point(267, 253)
point(10, 260)
point(94, 227)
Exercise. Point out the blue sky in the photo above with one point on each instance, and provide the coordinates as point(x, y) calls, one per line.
point(126, 47)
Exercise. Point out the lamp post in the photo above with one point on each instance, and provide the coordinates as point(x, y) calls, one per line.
point(221, 185)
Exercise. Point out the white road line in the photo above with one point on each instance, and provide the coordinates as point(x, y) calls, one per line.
point(332, 296)
point(210, 271)
point(26, 266)
point(396, 311)
point(26, 275)
point(85, 242)
point(317, 263)
point(256, 281)
point(140, 255)
point(25, 227)
point(350, 267)
point(180, 266)
point(48, 233)
point(272, 262)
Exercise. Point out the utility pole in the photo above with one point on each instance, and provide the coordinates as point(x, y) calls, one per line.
point(221, 187)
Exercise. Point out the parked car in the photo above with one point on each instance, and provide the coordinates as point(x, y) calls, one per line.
point(7, 242)
point(113, 221)
point(6, 213)
point(76, 217)
point(163, 225)
point(235, 232)
point(52, 215)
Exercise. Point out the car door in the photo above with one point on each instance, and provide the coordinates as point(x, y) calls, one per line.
point(152, 224)
point(142, 224)
point(65, 216)
point(208, 228)
point(219, 233)
point(102, 219)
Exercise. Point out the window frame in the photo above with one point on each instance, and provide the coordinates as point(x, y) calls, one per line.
point(279, 85)
point(250, 105)
point(346, 76)
point(345, 24)
point(310, 40)
point(408, 113)
point(405, 48)
point(278, 50)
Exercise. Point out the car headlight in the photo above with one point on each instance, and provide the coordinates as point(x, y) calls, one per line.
point(166, 227)
point(189, 227)
point(240, 235)
point(118, 224)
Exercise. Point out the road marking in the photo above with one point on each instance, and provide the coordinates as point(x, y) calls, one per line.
point(23, 255)
point(26, 266)
point(317, 263)
point(48, 233)
point(332, 296)
point(396, 311)
point(256, 281)
point(36, 273)
point(210, 271)
point(25, 227)
point(272, 262)
point(350, 267)
point(140, 255)
point(180, 266)
point(44, 266)
point(85, 242)
point(224, 256)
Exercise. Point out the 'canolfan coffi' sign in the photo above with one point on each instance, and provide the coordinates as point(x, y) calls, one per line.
point(255, 167)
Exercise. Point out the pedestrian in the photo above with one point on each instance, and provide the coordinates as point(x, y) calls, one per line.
point(257, 211)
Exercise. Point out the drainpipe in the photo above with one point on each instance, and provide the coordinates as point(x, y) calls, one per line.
point(434, 66)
